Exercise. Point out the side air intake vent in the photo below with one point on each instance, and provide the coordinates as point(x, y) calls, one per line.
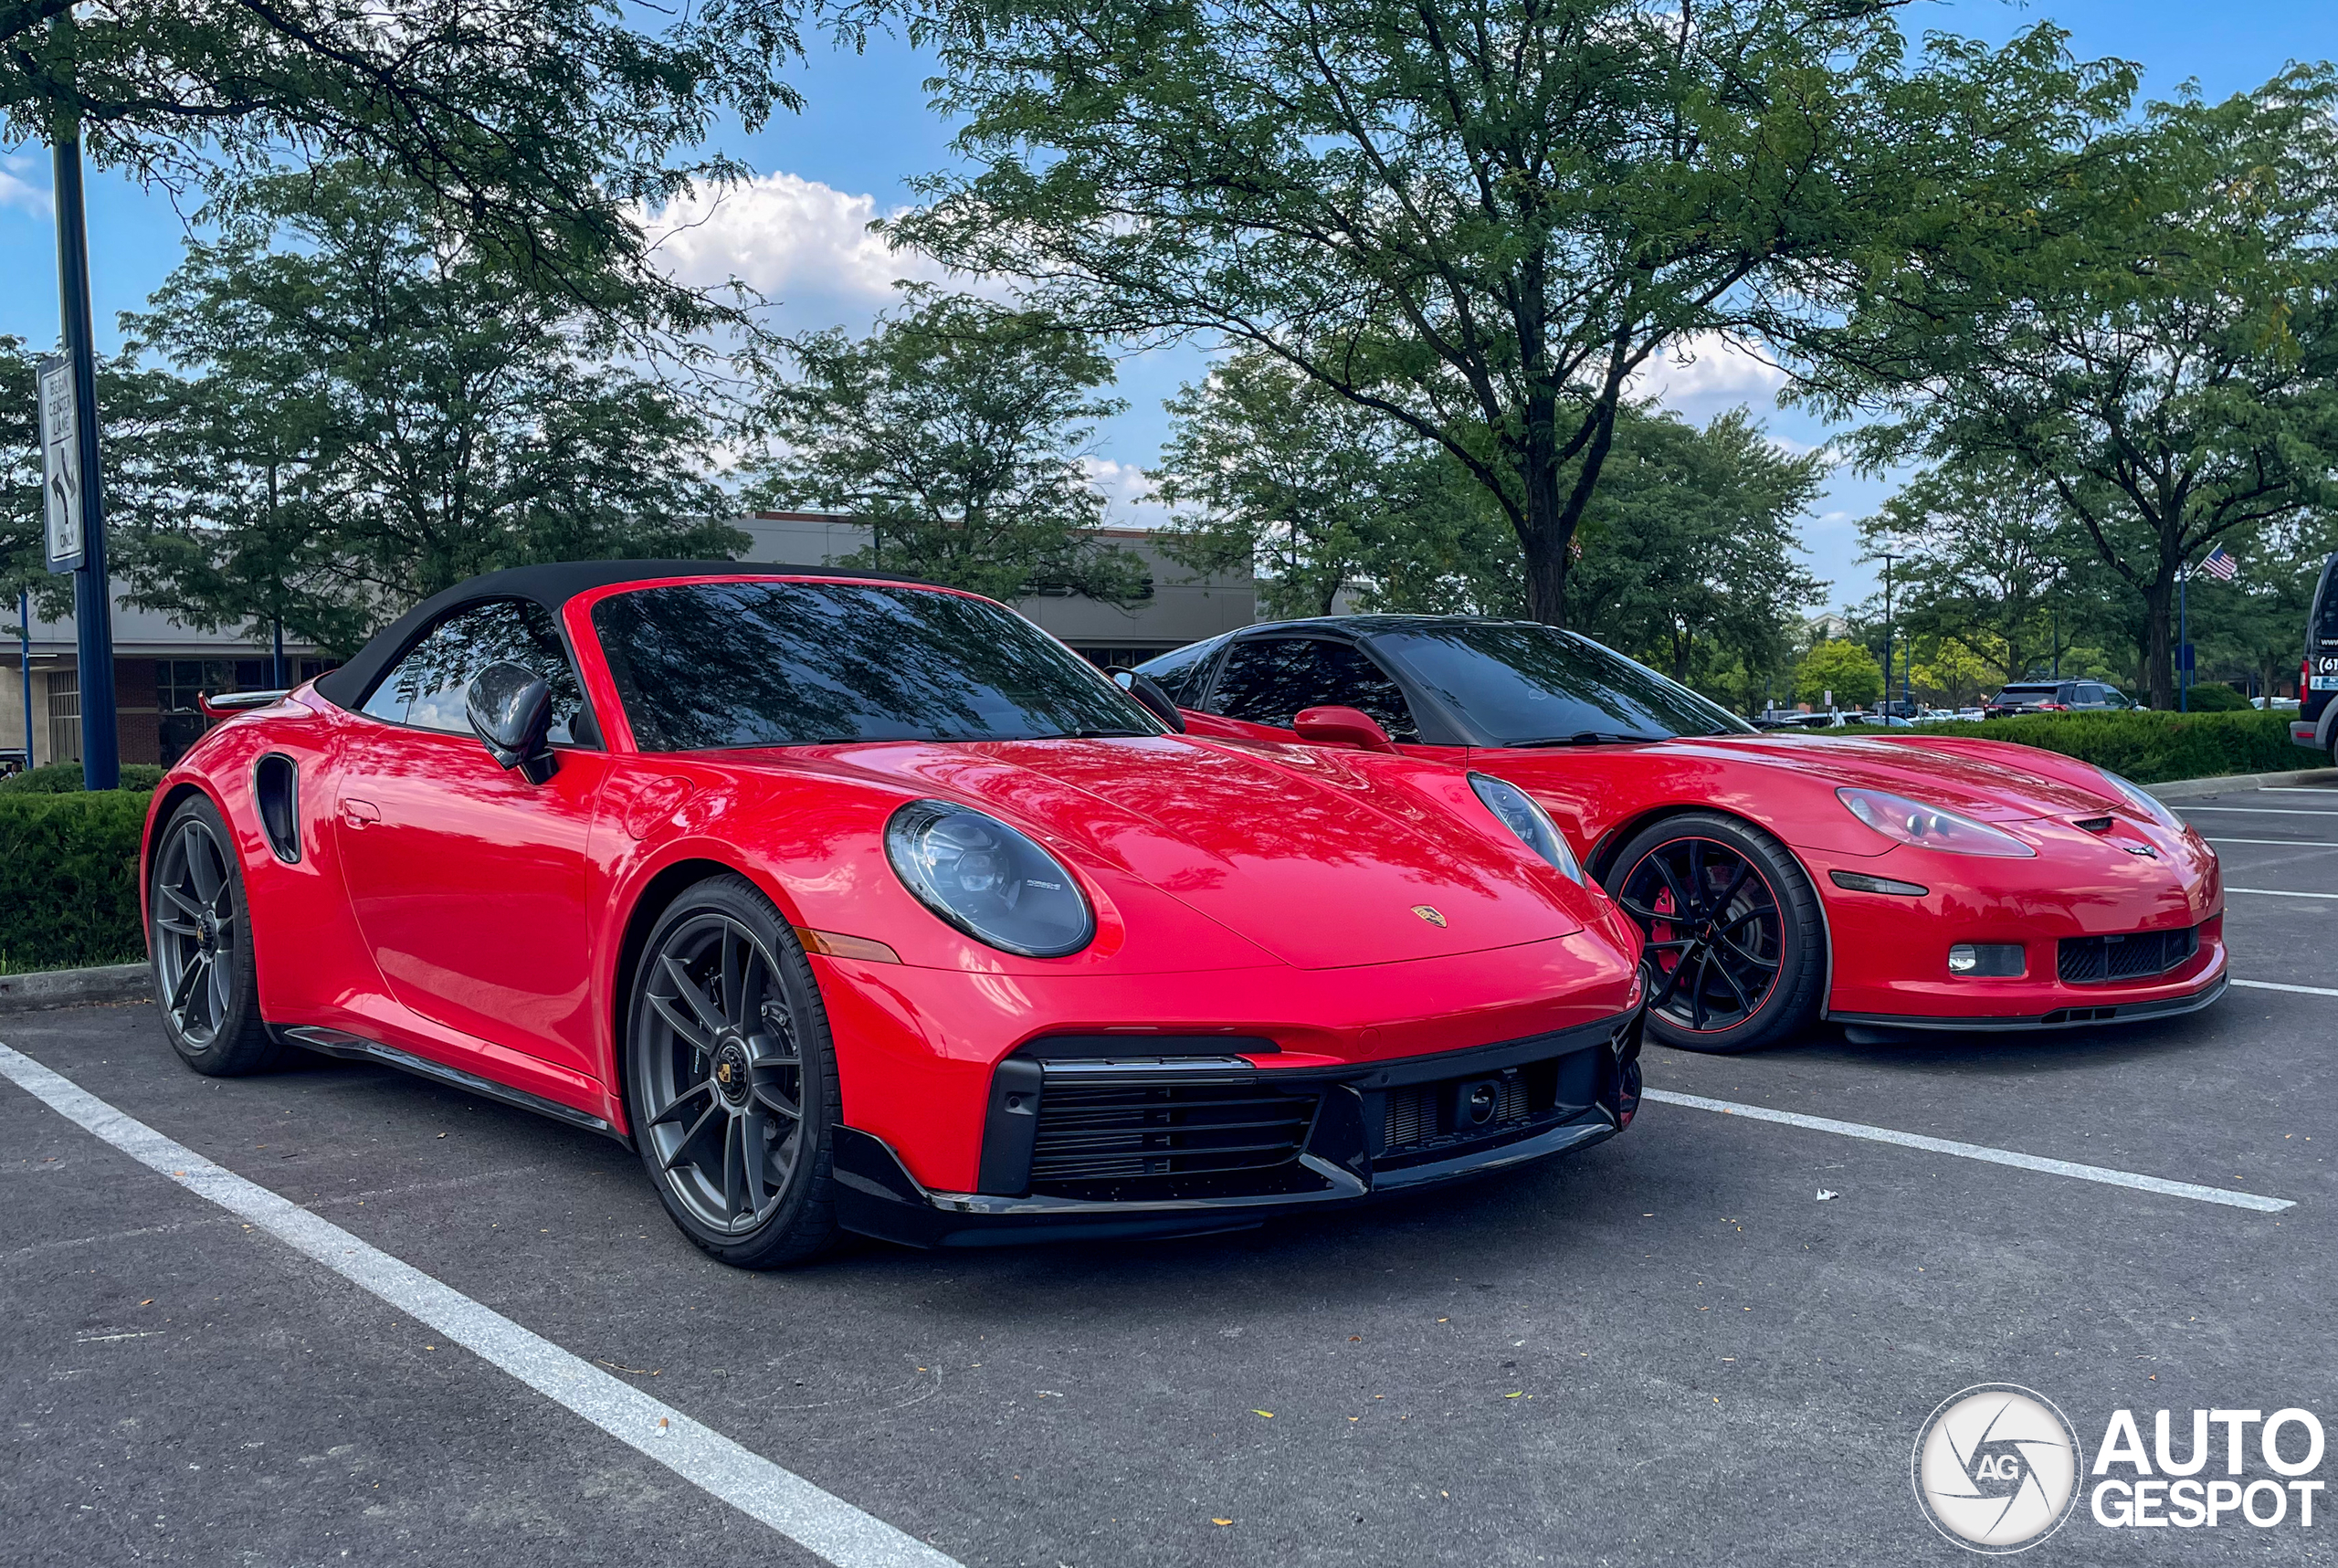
point(1132, 1140)
point(277, 787)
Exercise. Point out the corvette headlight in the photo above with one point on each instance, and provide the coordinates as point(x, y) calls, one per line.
point(1930, 827)
point(2143, 800)
point(988, 881)
point(1529, 821)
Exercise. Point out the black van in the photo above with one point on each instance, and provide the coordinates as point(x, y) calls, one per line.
point(2316, 725)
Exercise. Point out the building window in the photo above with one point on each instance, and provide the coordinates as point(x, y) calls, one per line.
point(64, 715)
point(177, 682)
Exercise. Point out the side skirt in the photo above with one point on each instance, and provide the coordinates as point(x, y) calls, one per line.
point(357, 1049)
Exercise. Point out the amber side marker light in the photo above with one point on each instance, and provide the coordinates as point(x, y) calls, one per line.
point(1861, 883)
point(835, 945)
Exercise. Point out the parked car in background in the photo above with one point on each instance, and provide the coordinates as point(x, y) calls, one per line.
point(2316, 725)
point(2055, 697)
point(2275, 704)
point(1918, 881)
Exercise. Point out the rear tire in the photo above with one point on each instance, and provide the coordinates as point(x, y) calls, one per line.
point(199, 941)
point(1735, 954)
point(732, 1079)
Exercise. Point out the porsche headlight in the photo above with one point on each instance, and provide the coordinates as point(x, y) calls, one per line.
point(988, 881)
point(1529, 821)
point(2143, 800)
point(1929, 827)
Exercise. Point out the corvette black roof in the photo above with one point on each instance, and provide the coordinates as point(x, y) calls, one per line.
point(552, 586)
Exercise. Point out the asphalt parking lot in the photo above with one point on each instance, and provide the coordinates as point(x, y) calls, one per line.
point(1668, 1349)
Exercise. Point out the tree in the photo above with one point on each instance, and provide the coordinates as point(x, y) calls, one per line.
point(1842, 666)
point(375, 411)
point(2163, 357)
point(1267, 471)
point(955, 431)
point(532, 126)
point(1483, 218)
point(1689, 546)
point(1988, 560)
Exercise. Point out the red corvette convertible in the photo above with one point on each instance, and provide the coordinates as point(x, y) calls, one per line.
point(852, 902)
point(1925, 881)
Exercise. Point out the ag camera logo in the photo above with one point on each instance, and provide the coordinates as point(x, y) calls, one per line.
point(1997, 1468)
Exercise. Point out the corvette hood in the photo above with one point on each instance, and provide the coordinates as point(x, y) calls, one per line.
point(1989, 790)
point(1319, 858)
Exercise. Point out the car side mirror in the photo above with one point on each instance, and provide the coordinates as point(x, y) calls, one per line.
point(509, 707)
point(1335, 726)
point(1147, 692)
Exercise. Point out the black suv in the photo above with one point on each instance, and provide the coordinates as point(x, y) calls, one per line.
point(2055, 697)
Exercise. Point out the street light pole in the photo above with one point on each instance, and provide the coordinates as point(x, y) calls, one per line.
point(1887, 559)
point(92, 590)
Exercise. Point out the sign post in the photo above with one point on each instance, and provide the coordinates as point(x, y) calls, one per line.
point(74, 490)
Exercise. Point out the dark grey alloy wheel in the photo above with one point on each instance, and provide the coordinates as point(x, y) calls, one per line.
point(732, 1078)
point(1734, 942)
point(205, 977)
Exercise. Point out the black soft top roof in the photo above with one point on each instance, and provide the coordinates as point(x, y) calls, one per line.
point(552, 586)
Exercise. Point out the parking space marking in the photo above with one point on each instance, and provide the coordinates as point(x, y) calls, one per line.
point(2159, 1185)
point(2279, 893)
point(2279, 843)
point(818, 1521)
point(2277, 985)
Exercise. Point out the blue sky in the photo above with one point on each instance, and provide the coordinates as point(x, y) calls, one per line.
point(867, 131)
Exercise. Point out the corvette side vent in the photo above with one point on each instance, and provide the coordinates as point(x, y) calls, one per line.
point(1125, 1139)
point(2137, 955)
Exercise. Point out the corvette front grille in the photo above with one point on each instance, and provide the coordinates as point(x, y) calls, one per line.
point(2136, 955)
point(1129, 1138)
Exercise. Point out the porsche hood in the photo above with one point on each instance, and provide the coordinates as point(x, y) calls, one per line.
point(1325, 859)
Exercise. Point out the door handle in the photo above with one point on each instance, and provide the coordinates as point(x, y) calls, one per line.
point(358, 812)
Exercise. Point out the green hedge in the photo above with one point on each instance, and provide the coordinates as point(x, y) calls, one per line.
point(2147, 747)
point(65, 778)
point(69, 879)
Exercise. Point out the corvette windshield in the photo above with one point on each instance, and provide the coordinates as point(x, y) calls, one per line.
point(709, 666)
point(1527, 685)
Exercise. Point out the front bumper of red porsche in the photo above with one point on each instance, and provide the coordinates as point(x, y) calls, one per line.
point(1095, 1148)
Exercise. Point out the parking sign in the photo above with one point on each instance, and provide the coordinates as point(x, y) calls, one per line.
point(60, 449)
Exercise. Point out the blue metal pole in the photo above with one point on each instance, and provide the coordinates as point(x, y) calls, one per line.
point(93, 589)
point(25, 665)
point(2183, 640)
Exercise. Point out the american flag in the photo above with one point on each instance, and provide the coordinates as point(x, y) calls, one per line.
point(2219, 565)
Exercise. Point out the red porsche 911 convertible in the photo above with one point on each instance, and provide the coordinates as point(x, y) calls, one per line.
point(1925, 881)
point(858, 904)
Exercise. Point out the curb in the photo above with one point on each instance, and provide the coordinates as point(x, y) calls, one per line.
point(75, 987)
point(2193, 789)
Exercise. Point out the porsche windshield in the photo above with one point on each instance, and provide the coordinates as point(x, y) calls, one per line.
point(1526, 685)
point(709, 666)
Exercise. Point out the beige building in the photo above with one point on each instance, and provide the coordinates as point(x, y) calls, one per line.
point(159, 665)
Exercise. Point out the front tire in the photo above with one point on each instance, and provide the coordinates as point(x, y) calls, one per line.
point(733, 1080)
point(206, 981)
point(1735, 945)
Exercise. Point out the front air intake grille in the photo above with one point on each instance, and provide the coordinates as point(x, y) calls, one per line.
point(1125, 1140)
point(2138, 955)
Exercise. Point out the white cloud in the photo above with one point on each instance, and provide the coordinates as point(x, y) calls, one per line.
point(785, 237)
point(1128, 495)
point(1710, 366)
point(16, 190)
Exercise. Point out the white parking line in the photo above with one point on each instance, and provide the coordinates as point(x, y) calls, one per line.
point(2278, 843)
point(2259, 810)
point(2277, 985)
point(2279, 893)
point(1979, 1151)
point(791, 1505)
